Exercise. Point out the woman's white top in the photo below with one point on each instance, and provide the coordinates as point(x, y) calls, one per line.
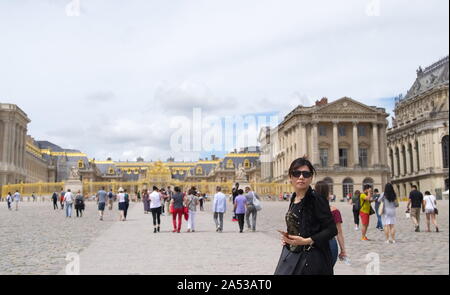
point(121, 197)
point(429, 202)
point(155, 200)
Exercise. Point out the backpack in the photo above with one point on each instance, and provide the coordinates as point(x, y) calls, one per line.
point(110, 195)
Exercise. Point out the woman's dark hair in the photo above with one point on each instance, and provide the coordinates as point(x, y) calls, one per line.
point(177, 189)
point(155, 188)
point(303, 161)
point(389, 192)
point(192, 191)
point(322, 189)
point(427, 193)
point(240, 191)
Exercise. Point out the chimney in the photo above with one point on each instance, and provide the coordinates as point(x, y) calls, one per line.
point(322, 102)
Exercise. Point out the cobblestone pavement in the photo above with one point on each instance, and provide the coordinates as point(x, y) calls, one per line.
point(36, 239)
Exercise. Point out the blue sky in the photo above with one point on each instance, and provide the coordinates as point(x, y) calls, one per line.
point(110, 81)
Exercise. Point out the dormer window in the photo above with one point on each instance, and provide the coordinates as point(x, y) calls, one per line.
point(230, 164)
point(247, 163)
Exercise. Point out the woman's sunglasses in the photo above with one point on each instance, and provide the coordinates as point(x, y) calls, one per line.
point(298, 173)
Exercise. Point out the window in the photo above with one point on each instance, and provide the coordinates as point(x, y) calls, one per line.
point(80, 164)
point(361, 130)
point(246, 163)
point(324, 157)
point(347, 187)
point(230, 164)
point(322, 130)
point(343, 157)
point(368, 181)
point(363, 157)
point(199, 170)
point(445, 151)
point(111, 171)
point(341, 130)
point(329, 181)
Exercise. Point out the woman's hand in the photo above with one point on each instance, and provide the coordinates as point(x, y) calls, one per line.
point(296, 240)
point(342, 254)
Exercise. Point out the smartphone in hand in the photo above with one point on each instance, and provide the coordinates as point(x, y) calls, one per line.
point(283, 233)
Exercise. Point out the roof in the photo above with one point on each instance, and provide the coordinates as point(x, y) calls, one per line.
point(432, 77)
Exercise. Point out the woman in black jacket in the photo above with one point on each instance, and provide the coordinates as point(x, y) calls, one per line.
point(310, 227)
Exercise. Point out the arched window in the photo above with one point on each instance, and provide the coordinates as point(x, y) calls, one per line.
point(329, 181)
point(347, 187)
point(247, 163)
point(411, 162)
point(445, 151)
point(397, 156)
point(367, 180)
point(230, 164)
point(80, 164)
point(111, 170)
point(418, 155)
point(199, 170)
point(404, 159)
point(129, 171)
point(391, 161)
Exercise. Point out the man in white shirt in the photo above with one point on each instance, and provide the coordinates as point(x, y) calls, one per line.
point(219, 208)
point(17, 199)
point(68, 200)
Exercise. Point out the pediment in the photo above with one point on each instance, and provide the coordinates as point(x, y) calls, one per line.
point(346, 105)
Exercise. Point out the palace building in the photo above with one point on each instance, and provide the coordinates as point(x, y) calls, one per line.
point(417, 143)
point(345, 140)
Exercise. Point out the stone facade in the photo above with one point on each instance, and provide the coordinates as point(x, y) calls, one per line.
point(13, 130)
point(345, 140)
point(418, 140)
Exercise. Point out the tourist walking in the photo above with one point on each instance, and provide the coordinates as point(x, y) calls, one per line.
point(178, 209)
point(355, 208)
point(68, 202)
point(310, 227)
point(376, 196)
point(219, 208)
point(127, 203)
point(240, 203)
point(234, 194)
point(121, 203)
point(79, 204)
point(146, 201)
point(9, 200)
point(251, 209)
point(169, 198)
point(101, 201)
point(415, 203)
point(110, 199)
point(155, 207)
point(61, 199)
point(163, 200)
point(366, 210)
point(55, 200)
point(388, 203)
point(322, 189)
point(201, 200)
point(431, 210)
point(191, 203)
point(16, 199)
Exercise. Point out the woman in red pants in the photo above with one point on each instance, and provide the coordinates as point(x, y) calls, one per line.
point(177, 201)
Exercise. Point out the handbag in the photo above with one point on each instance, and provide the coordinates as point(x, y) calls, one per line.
point(171, 209)
point(256, 203)
point(381, 208)
point(436, 211)
point(371, 212)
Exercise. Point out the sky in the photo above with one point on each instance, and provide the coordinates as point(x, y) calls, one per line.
point(123, 79)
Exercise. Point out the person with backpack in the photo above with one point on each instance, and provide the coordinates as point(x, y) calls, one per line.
point(191, 203)
point(127, 204)
point(251, 208)
point(355, 208)
point(61, 199)
point(122, 203)
point(9, 200)
point(110, 199)
point(79, 204)
point(365, 209)
point(235, 193)
point(68, 200)
point(55, 200)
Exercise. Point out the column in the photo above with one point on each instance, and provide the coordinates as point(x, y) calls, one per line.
point(315, 144)
point(304, 148)
point(408, 157)
point(355, 144)
point(437, 143)
point(402, 165)
point(11, 145)
point(6, 133)
point(24, 141)
point(414, 167)
point(383, 145)
point(335, 144)
point(375, 149)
